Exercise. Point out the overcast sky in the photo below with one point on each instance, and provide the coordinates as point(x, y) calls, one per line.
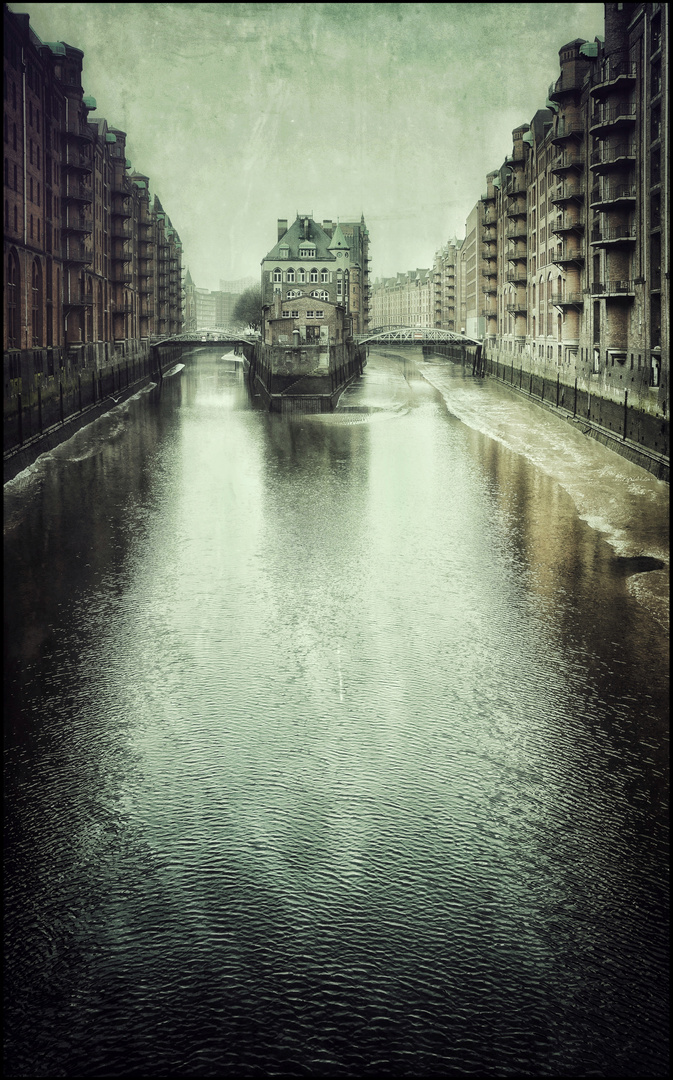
point(245, 113)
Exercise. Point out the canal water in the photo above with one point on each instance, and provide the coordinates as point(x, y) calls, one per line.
point(335, 746)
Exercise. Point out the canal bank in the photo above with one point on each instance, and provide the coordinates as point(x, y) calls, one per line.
point(636, 435)
point(84, 400)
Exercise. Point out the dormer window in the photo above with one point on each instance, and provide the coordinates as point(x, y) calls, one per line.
point(307, 253)
point(283, 251)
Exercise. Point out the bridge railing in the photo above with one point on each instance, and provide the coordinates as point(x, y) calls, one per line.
point(419, 335)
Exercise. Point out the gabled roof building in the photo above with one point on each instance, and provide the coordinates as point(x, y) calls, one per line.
point(327, 262)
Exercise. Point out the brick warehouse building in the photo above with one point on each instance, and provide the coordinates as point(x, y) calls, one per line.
point(327, 262)
point(92, 263)
point(575, 235)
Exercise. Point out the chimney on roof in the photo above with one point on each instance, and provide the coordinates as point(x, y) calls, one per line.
point(282, 227)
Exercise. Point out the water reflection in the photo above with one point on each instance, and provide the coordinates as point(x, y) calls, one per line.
point(335, 745)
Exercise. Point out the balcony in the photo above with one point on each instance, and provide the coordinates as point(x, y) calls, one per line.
point(81, 137)
point(564, 300)
point(76, 161)
point(517, 231)
point(80, 227)
point(489, 237)
point(78, 300)
point(571, 129)
point(517, 307)
point(614, 74)
point(121, 257)
point(486, 313)
point(77, 193)
point(120, 231)
point(517, 256)
point(566, 193)
point(488, 198)
point(613, 236)
point(491, 288)
point(121, 277)
point(613, 290)
point(567, 256)
point(518, 276)
point(569, 82)
point(568, 160)
point(76, 255)
point(120, 206)
point(613, 157)
point(617, 195)
point(122, 307)
point(567, 223)
point(516, 186)
point(519, 210)
point(613, 117)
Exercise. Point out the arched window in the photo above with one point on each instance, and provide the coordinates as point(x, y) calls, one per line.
point(13, 301)
point(290, 275)
point(320, 294)
point(294, 292)
point(301, 274)
point(314, 275)
point(277, 274)
point(36, 303)
point(324, 275)
point(6, 214)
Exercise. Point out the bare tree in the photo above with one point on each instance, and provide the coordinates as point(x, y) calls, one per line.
point(248, 310)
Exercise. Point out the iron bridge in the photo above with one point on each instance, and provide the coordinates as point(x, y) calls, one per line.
point(414, 335)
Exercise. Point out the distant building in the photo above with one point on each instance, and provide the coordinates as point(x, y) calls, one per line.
point(446, 286)
point(404, 300)
point(238, 286)
point(205, 308)
point(190, 323)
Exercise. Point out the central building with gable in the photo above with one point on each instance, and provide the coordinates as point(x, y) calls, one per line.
point(314, 297)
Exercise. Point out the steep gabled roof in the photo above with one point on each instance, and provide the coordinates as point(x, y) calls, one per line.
point(293, 239)
point(339, 241)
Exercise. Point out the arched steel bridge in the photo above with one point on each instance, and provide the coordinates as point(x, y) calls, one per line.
point(414, 335)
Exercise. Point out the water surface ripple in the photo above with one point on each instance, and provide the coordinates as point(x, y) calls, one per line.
point(336, 747)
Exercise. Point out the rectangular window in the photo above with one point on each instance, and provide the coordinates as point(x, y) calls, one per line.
point(286, 314)
point(295, 314)
point(309, 314)
point(319, 314)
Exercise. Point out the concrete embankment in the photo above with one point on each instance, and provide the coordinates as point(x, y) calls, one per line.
point(635, 435)
point(21, 457)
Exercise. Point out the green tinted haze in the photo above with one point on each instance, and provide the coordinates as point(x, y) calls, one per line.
point(244, 113)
